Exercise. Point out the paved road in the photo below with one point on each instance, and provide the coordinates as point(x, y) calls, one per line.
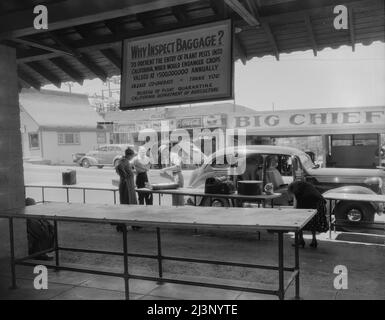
point(46, 173)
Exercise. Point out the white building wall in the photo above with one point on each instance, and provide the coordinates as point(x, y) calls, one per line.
point(62, 154)
point(28, 125)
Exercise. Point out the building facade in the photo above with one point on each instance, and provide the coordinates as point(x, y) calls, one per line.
point(54, 125)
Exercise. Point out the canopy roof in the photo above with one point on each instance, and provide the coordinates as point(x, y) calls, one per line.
point(83, 40)
point(58, 110)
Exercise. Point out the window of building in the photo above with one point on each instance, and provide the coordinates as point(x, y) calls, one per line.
point(33, 140)
point(68, 138)
point(366, 140)
point(342, 140)
point(101, 137)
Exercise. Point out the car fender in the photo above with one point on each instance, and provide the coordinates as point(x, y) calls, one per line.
point(92, 160)
point(355, 190)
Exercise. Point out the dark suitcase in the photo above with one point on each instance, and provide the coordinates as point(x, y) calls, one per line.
point(69, 177)
point(41, 235)
point(219, 185)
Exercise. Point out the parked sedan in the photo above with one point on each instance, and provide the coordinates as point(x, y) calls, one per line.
point(103, 155)
point(293, 164)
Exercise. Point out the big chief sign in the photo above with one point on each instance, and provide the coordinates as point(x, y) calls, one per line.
point(312, 121)
point(182, 66)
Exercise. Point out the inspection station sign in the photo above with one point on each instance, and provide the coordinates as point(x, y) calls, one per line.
point(182, 66)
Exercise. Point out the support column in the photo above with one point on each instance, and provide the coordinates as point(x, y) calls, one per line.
point(11, 159)
point(12, 193)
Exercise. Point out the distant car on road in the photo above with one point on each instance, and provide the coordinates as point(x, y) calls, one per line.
point(103, 155)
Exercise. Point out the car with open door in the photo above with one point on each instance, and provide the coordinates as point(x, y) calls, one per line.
point(293, 164)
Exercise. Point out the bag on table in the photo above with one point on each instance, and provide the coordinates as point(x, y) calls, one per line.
point(219, 185)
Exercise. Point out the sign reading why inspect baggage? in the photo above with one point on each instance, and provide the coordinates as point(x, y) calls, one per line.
point(182, 66)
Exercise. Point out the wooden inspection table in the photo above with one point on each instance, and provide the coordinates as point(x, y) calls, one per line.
point(335, 196)
point(79, 186)
point(279, 221)
point(200, 193)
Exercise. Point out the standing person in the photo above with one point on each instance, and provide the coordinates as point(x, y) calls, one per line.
point(142, 165)
point(176, 170)
point(126, 185)
point(306, 196)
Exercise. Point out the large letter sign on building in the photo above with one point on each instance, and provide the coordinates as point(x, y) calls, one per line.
point(182, 66)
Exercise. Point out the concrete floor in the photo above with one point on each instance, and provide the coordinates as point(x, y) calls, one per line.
point(365, 264)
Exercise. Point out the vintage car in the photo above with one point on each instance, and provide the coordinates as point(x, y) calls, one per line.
point(103, 155)
point(294, 164)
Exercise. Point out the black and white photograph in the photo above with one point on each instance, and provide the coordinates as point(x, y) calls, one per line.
point(205, 152)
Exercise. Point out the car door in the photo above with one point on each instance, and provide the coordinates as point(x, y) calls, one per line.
point(112, 151)
point(102, 154)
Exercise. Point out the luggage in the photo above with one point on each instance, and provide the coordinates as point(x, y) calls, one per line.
point(219, 185)
point(41, 235)
point(250, 187)
point(163, 186)
point(69, 177)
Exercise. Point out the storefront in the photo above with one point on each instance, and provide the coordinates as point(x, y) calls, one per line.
point(338, 137)
point(201, 120)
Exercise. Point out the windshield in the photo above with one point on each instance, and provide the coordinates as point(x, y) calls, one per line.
point(306, 161)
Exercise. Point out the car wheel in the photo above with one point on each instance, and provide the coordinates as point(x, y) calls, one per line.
point(86, 163)
point(359, 212)
point(100, 167)
point(215, 202)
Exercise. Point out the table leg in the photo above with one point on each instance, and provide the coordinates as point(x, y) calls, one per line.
point(281, 293)
point(160, 267)
point(125, 260)
point(84, 195)
point(42, 195)
point(12, 247)
point(57, 262)
point(160, 202)
point(296, 253)
point(68, 195)
point(114, 196)
point(195, 201)
point(330, 219)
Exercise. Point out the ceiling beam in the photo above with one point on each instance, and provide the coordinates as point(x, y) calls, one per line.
point(145, 20)
point(273, 42)
point(310, 32)
point(265, 26)
point(352, 32)
point(110, 41)
point(84, 59)
point(45, 73)
point(240, 49)
point(180, 13)
point(69, 13)
point(27, 79)
point(68, 70)
point(245, 14)
point(36, 44)
point(112, 57)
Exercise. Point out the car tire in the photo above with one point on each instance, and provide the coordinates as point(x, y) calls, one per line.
point(86, 163)
point(100, 167)
point(354, 212)
point(215, 202)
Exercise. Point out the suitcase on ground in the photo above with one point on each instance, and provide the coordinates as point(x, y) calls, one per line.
point(69, 177)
